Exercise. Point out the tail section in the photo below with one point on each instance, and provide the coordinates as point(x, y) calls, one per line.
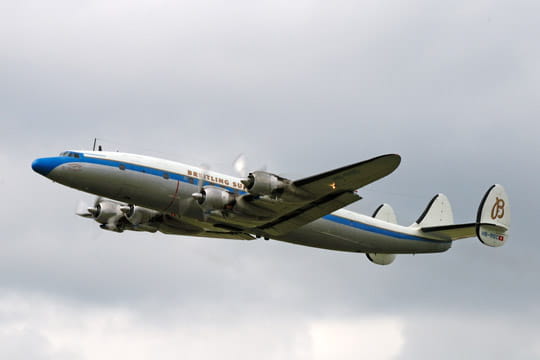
point(437, 213)
point(491, 226)
point(493, 218)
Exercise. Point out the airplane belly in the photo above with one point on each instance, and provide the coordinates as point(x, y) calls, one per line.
point(127, 186)
point(326, 234)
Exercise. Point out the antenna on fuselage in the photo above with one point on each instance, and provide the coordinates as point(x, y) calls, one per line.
point(94, 147)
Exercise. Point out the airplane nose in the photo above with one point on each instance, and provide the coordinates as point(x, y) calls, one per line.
point(43, 166)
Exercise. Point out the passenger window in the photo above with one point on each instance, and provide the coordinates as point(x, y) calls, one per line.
point(165, 176)
point(122, 167)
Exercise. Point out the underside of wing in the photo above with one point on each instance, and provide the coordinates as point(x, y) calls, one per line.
point(227, 235)
point(309, 212)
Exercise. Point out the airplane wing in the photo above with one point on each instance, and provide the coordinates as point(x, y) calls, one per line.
point(309, 212)
point(330, 191)
point(350, 177)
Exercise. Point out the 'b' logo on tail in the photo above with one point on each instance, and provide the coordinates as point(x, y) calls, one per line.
point(497, 211)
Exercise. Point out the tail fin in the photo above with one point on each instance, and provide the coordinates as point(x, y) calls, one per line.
point(493, 218)
point(437, 213)
point(385, 213)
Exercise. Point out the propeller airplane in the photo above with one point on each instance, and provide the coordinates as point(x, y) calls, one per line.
point(142, 193)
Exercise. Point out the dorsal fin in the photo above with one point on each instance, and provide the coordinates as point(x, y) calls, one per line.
point(385, 213)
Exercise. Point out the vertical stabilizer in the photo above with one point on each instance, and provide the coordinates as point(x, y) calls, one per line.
point(493, 218)
point(385, 213)
point(437, 213)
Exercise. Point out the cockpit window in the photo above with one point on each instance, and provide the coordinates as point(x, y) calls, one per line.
point(70, 154)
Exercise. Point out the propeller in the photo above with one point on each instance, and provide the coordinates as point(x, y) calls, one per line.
point(113, 223)
point(240, 166)
point(88, 211)
point(198, 196)
point(82, 209)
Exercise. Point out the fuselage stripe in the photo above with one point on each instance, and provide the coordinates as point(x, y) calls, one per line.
point(148, 170)
point(373, 229)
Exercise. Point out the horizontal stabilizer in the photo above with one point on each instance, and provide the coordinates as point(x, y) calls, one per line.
point(452, 232)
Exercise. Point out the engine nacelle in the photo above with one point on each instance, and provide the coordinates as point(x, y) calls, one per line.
point(381, 259)
point(105, 212)
point(214, 198)
point(137, 215)
point(263, 183)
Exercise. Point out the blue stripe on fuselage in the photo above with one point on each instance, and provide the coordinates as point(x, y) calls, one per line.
point(377, 230)
point(53, 162)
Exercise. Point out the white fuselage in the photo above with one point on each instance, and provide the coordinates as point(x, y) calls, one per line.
point(164, 185)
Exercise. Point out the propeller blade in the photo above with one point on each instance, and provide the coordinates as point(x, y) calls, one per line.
point(240, 165)
point(83, 209)
point(185, 204)
point(97, 200)
point(199, 196)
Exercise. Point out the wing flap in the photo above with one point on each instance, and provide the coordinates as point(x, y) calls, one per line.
point(227, 235)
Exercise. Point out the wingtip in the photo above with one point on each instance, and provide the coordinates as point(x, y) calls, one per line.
point(396, 158)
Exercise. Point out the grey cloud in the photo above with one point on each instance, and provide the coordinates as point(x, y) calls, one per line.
point(301, 88)
point(474, 336)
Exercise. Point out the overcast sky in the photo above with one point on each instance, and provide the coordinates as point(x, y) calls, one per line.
point(299, 87)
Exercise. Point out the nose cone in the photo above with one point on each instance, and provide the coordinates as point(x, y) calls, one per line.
point(44, 166)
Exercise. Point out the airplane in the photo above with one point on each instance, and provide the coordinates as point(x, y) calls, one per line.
point(143, 193)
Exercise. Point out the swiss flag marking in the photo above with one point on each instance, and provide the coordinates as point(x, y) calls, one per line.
point(501, 238)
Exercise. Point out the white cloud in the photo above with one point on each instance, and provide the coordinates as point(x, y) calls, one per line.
point(37, 327)
point(372, 338)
